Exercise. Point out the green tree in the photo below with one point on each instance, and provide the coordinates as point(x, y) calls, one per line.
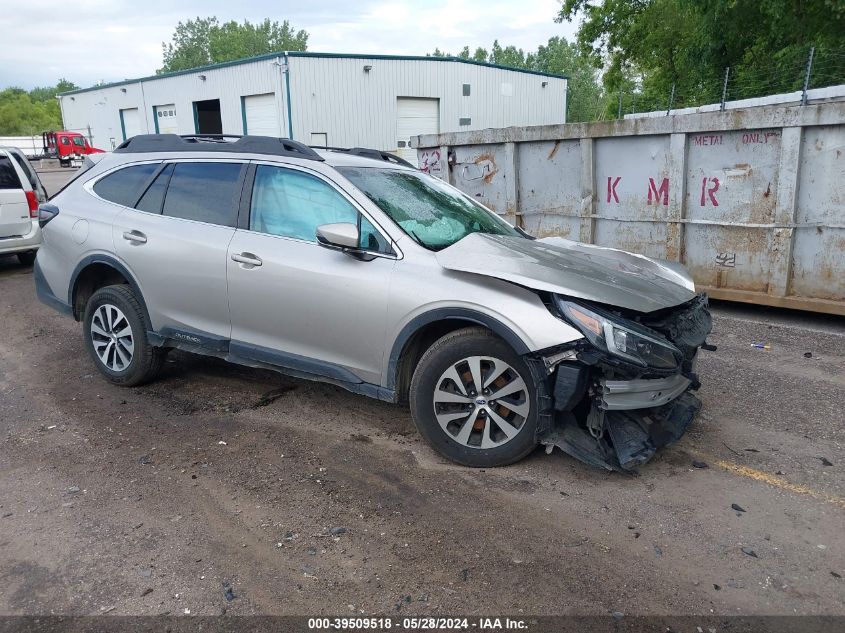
point(205, 41)
point(559, 57)
point(507, 56)
point(25, 113)
point(479, 55)
point(649, 47)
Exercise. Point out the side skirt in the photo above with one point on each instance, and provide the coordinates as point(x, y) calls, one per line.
point(264, 358)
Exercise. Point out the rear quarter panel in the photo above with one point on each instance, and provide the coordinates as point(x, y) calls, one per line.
point(83, 227)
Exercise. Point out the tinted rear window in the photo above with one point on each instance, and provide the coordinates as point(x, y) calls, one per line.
point(124, 185)
point(8, 176)
point(25, 167)
point(153, 197)
point(205, 192)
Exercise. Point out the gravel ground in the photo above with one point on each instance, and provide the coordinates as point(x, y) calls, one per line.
point(220, 488)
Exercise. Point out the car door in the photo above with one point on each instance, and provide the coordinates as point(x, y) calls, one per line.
point(175, 243)
point(295, 303)
point(65, 147)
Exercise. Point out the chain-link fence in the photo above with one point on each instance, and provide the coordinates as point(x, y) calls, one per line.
point(794, 76)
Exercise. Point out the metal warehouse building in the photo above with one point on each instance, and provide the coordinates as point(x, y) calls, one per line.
point(376, 101)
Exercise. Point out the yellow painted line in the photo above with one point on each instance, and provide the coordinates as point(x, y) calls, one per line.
point(779, 482)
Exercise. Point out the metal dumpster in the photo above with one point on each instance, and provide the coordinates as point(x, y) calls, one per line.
point(751, 201)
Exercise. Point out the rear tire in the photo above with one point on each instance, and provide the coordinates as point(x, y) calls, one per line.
point(493, 423)
point(116, 337)
point(27, 258)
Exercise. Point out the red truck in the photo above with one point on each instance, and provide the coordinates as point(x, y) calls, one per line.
point(67, 147)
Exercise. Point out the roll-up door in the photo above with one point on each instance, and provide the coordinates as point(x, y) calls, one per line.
point(260, 115)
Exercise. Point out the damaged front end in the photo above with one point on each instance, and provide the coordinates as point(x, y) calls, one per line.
point(625, 390)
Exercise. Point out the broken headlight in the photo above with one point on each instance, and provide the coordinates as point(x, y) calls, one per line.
point(620, 337)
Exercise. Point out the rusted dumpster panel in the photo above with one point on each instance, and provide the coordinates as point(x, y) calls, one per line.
point(632, 193)
point(732, 180)
point(476, 171)
point(751, 201)
point(549, 205)
point(818, 257)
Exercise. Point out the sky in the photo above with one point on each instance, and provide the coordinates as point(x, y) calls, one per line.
point(88, 41)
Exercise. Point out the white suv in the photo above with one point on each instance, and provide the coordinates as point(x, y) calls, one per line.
point(20, 194)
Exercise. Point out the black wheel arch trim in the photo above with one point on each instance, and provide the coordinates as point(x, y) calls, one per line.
point(448, 314)
point(119, 267)
point(45, 293)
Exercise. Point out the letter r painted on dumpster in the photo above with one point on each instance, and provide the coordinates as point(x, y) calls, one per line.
point(709, 187)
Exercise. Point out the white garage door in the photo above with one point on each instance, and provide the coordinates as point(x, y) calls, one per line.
point(166, 122)
point(260, 115)
point(413, 117)
point(130, 123)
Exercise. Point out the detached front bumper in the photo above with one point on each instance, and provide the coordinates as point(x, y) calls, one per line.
point(614, 415)
point(619, 395)
point(627, 422)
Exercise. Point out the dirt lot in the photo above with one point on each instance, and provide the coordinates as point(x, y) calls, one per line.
point(219, 479)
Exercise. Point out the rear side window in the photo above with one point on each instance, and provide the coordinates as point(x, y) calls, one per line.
point(153, 198)
point(8, 176)
point(124, 186)
point(30, 174)
point(205, 192)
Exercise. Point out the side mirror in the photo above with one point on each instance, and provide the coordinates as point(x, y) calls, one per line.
point(343, 236)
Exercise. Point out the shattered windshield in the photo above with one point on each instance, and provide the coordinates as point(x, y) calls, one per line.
point(432, 213)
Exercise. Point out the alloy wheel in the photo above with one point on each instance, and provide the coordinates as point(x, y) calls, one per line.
point(481, 402)
point(112, 337)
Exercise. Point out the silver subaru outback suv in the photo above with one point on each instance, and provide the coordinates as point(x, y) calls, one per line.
point(350, 267)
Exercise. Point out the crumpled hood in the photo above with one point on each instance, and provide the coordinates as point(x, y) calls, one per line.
point(583, 271)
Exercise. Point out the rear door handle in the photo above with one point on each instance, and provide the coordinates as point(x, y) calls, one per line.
point(247, 258)
point(135, 236)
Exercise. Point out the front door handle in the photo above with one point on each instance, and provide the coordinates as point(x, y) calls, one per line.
point(135, 236)
point(247, 258)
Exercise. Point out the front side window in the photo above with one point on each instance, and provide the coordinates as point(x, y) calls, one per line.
point(434, 214)
point(371, 239)
point(78, 140)
point(290, 203)
point(124, 185)
point(205, 192)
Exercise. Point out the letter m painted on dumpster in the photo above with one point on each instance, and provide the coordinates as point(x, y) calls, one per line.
point(655, 195)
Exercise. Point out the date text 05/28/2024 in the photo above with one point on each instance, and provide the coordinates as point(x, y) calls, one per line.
point(417, 624)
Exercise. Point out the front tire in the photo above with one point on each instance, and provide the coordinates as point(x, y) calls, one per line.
point(116, 338)
point(474, 400)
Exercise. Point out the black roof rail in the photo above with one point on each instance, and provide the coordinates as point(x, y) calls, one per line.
point(366, 152)
point(230, 143)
